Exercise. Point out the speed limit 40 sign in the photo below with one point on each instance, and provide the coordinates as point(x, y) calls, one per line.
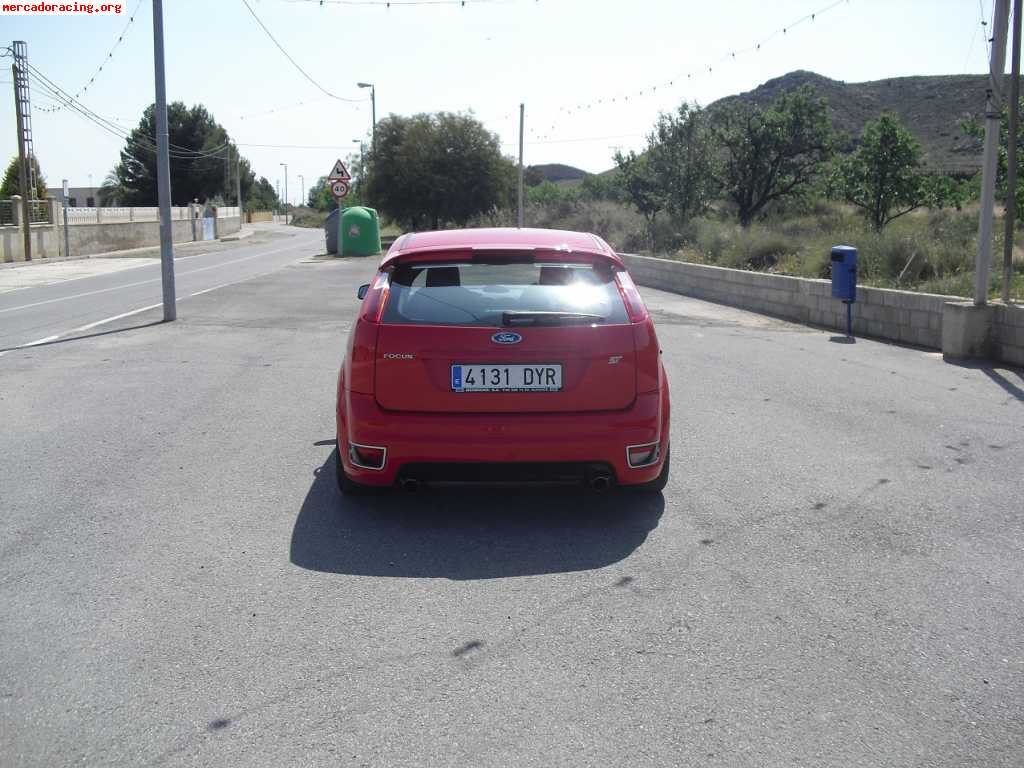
point(339, 189)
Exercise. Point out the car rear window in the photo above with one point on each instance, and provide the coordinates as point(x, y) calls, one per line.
point(482, 294)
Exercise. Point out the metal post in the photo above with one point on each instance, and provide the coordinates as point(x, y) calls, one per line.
point(163, 166)
point(302, 192)
point(989, 165)
point(26, 211)
point(849, 319)
point(519, 217)
point(285, 192)
point(64, 195)
point(238, 185)
point(1011, 155)
point(373, 117)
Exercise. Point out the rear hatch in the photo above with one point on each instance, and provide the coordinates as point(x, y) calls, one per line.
point(500, 337)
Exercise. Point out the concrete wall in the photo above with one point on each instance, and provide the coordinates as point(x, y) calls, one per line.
point(1007, 335)
point(88, 239)
point(902, 316)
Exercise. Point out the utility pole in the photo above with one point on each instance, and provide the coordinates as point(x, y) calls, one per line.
point(64, 195)
point(285, 166)
point(23, 116)
point(163, 166)
point(1010, 211)
point(519, 217)
point(238, 184)
point(989, 166)
point(373, 114)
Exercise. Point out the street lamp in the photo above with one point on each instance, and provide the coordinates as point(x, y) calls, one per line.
point(302, 197)
point(373, 114)
point(285, 166)
point(360, 143)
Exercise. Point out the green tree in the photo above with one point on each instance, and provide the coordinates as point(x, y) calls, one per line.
point(770, 153)
point(10, 185)
point(682, 160)
point(603, 186)
point(434, 169)
point(261, 196)
point(973, 128)
point(883, 177)
point(197, 159)
point(642, 188)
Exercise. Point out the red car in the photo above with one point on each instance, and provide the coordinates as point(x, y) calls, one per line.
point(502, 355)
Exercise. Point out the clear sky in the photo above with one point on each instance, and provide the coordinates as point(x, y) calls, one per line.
point(485, 56)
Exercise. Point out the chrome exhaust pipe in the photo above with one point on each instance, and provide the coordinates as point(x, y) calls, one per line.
point(601, 483)
point(411, 484)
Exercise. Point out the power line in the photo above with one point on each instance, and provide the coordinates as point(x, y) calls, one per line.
point(288, 56)
point(54, 90)
point(287, 107)
point(389, 3)
point(688, 76)
point(108, 57)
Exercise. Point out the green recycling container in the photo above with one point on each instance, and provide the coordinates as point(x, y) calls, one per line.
point(360, 231)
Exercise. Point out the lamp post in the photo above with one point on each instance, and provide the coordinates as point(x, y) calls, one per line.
point(285, 166)
point(360, 143)
point(302, 196)
point(373, 114)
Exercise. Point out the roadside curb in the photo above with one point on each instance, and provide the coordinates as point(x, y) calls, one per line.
point(131, 253)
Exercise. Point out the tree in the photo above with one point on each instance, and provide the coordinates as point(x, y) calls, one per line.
point(642, 187)
point(434, 169)
point(261, 197)
point(883, 176)
point(682, 160)
point(973, 128)
point(198, 166)
point(772, 152)
point(11, 185)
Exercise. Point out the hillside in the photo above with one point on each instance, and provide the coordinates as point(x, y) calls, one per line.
point(557, 172)
point(932, 107)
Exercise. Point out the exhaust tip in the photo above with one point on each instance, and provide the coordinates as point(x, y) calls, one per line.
point(600, 483)
point(411, 484)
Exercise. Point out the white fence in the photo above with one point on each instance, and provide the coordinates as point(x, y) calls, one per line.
point(82, 215)
point(226, 212)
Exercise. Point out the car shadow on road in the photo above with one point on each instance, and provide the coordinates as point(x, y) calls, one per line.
point(467, 533)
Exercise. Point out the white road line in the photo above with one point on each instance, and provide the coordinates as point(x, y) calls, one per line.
point(90, 326)
point(142, 282)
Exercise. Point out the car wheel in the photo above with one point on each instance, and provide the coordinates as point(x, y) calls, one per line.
point(346, 484)
point(657, 485)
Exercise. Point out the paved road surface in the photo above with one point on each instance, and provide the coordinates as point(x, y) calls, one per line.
point(832, 578)
point(120, 286)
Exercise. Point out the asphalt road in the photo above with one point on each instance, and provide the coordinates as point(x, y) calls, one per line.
point(93, 294)
point(833, 577)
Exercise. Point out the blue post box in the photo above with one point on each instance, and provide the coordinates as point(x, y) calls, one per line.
point(844, 280)
point(844, 272)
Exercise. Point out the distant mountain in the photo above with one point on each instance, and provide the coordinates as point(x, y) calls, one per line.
point(557, 172)
point(931, 107)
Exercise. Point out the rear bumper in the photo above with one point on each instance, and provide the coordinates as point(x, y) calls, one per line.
point(600, 437)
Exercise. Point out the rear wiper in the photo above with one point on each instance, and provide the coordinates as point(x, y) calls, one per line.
point(548, 318)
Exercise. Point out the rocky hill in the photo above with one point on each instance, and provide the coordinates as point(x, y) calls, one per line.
point(931, 107)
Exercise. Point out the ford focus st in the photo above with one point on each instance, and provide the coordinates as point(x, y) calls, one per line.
point(497, 355)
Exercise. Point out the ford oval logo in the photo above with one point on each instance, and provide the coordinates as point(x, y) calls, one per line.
point(506, 337)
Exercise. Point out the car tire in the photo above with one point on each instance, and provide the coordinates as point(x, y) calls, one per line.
point(657, 485)
point(346, 484)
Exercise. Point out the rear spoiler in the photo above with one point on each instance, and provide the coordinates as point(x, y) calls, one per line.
point(500, 254)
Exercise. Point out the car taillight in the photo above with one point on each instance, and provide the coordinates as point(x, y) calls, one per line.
point(376, 298)
point(642, 455)
point(631, 297)
point(367, 456)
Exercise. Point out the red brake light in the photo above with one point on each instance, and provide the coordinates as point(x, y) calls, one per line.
point(376, 298)
point(631, 297)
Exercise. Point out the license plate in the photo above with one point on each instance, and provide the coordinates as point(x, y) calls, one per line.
point(544, 377)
